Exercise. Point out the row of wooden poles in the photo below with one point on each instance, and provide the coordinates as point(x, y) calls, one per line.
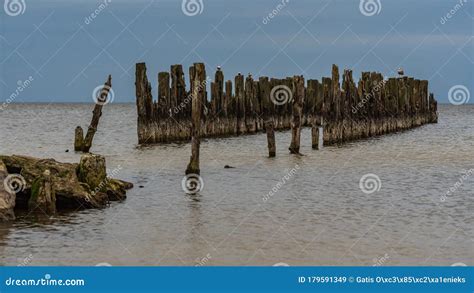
point(374, 106)
point(253, 104)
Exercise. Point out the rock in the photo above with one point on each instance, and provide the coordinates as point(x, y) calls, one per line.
point(116, 189)
point(7, 197)
point(75, 186)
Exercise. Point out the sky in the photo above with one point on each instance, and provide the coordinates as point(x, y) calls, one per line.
point(60, 51)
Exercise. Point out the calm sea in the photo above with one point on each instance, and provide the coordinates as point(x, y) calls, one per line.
point(317, 214)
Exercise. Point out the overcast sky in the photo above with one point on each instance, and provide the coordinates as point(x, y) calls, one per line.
point(67, 54)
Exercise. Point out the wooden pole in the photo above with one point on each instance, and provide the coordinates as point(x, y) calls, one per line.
point(198, 95)
point(228, 100)
point(219, 92)
point(268, 109)
point(165, 109)
point(101, 101)
point(78, 139)
point(299, 92)
point(326, 96)
point(144, 100)
point(43, 196)
point(313, 111)
point(248, 106)
point(178, 90)
point(240, 100)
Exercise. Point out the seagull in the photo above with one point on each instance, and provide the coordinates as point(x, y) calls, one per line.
point(401, 72)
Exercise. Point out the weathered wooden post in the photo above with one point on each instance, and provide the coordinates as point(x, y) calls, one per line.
point(327, 109)
point(346, 97)
point(298, 99)
point(178, 89)
point(336, 90)
point(198, 92)
point(144, 100)
point(218, 94)
point(314, 135)
point(240, 100)
point(43, 196)
point(227, 99)
point(164, 94)
point(92, 171)
point(229, 109)
point(78, 139)
point(433, 109)
point(249, 104)
point(314, 104)
point(268, 111)
point(82, 143)
point(320, 114)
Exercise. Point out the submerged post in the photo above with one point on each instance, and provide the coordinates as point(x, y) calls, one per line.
point(198, 90)
point(299, 91)
point(101, 101)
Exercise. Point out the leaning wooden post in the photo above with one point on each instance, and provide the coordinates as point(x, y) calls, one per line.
point(101, 101)
point(299, 92)
point(198, 90)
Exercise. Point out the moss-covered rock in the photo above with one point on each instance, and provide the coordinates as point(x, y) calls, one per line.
point(7, 197)
point(83, 185)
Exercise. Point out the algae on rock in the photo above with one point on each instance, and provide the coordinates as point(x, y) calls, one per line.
point(50, 185)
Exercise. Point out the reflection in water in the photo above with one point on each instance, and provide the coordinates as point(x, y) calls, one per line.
point(195, 221)
point(319, 216)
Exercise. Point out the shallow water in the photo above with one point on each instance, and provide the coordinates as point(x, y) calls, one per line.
point(319, 216)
